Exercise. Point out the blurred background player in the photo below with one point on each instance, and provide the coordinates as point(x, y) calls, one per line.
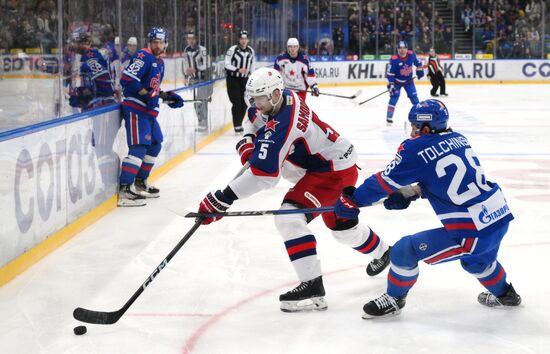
point(195, 70)
point(435, 74)
point(238, 63)
point(325, 163)
point(295, 70)
point(400, 74)
point(129, 51)
point(96, 84)
point(141, 82)
point(473, 210)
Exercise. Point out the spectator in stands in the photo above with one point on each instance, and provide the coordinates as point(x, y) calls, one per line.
point(338, 38)
point(44, 32)
point(487, 36)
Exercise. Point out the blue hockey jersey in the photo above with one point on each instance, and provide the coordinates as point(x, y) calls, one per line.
point(400, 70)
point(144, 71)
point(94, 67)
point(450, 177)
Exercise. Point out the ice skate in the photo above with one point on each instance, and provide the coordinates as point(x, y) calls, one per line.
point(389, 122)
point(308, 296)
point(146, 190)
point(383, 306)
point(128, 197)
point(376, 266)
point(511, 298)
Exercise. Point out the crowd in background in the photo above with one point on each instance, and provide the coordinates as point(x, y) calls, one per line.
point(506, 28)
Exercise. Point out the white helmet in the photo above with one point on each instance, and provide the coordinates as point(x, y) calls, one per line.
point(263, 82)
point(292, 41)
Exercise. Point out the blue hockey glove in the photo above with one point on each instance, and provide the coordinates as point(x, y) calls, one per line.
point(346, 206)
point(419, 73)
point(216, 202)
point(172, 99)
point(315, 90)
point(392, 89)
point(397, 201)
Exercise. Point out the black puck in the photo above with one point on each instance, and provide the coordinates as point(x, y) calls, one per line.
point(79, 330)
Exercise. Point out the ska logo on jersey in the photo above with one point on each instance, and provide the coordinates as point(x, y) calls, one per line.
point(140, 55)
point(270, 125)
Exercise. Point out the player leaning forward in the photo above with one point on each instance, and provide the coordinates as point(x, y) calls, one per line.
point(473, 210)
point(286, 132)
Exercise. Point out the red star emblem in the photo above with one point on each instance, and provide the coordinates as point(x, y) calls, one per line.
point(292, 72)
point(270, 125)
point(89, 53)
point(400, 148)
point(140, 55)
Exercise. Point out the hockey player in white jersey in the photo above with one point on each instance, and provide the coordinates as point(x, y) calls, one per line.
point(284, 131)
point(294, 67)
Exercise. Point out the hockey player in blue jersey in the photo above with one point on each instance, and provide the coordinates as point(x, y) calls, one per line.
point(400, 75)
point(96, 84)
point(473, 210)
point(141, 82)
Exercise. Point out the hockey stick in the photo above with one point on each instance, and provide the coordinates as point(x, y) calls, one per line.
point(107, 318)
point(372, 98)
point(260, 212)
point(341, 96)
point(333, 95)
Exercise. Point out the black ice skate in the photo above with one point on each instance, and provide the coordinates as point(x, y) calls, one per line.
point(389, 121)
point(146, 190)
point(376, 266)
point(128, 197)
point(511, 298)
point(383, 306)
point(308, 296)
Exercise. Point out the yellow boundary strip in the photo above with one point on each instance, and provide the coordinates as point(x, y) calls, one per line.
point(35, 254)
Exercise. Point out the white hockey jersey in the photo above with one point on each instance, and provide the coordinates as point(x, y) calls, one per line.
point(296, 72)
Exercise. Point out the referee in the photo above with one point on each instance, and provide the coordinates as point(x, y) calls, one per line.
point(196, 69)
point(238, 64)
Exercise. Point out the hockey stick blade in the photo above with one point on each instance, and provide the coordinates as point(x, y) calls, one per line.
point(260, 212)
point(97, 317)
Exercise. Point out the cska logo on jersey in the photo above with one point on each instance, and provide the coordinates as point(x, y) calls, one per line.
point(270, 125)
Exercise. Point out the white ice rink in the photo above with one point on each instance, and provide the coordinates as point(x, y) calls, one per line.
point(220, 292)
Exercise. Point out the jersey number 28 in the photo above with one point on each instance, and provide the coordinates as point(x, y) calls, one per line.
point(473, 188)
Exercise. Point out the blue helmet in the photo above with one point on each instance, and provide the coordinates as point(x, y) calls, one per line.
point(402, 44)
point(430, 113)
point(157, 33)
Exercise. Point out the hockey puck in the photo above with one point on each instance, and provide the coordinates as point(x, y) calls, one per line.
point(79, 330)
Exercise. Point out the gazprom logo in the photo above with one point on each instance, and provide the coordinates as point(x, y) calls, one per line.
point(424, 117)
point(486, 217)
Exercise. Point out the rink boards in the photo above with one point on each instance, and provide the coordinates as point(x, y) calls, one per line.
point(67, 170)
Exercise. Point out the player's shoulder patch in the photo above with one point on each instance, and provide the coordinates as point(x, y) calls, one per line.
point(393, 57)
point(410, 52)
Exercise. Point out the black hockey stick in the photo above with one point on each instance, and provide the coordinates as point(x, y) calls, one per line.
point(260, 212)
point(107, 318)
point(341, 96)
point(334, 95)
point(372, 98)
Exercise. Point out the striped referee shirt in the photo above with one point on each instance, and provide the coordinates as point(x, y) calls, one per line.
point(237, 58)
point(195, 58)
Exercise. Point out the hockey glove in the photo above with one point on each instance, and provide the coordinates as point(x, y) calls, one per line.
point(245, 147)
point(152, 101)
point(419, 74)
point(172, 99)
point(346, 206)
point(399, 200)
point(216, 202)
point(391, 89)
point(315, 90)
